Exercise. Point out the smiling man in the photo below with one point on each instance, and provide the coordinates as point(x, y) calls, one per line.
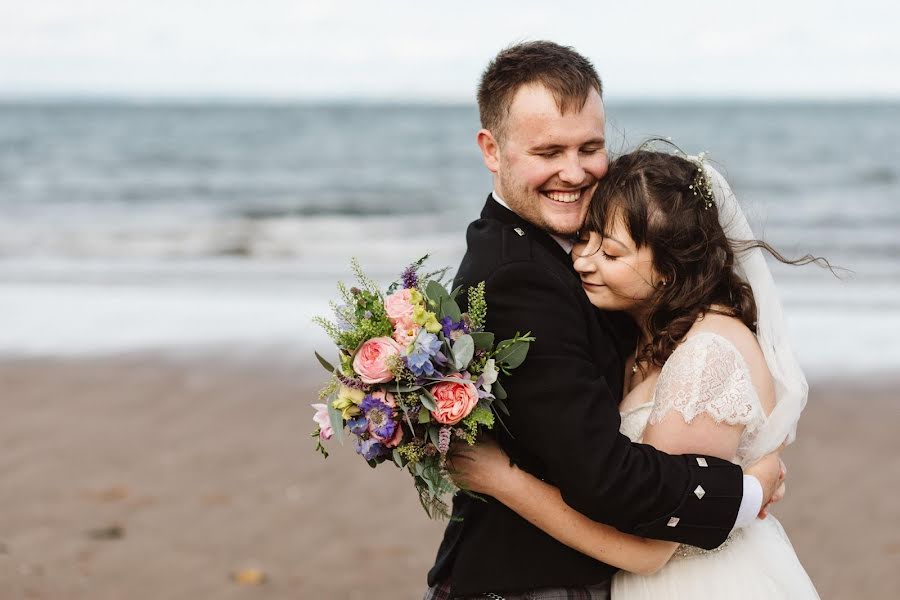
point(546, 156)
point(542, 138)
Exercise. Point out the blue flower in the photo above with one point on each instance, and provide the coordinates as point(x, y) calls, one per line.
point(425, 346)
point(358, 425)
point(369, 448)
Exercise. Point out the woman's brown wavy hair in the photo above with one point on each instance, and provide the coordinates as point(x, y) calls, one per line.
point(650, 192)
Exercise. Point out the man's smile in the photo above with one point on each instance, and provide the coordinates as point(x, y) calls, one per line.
point(565, 196)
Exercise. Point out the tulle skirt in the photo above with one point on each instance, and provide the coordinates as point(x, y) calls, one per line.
point(756, 562)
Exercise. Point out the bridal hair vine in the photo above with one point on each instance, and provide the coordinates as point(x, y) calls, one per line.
point(702, 186)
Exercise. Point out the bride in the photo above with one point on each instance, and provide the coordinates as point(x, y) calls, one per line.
point(713, 374)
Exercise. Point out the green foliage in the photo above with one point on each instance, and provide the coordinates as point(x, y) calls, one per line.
point(511, 353)
point(412, 452)
point(319, 447)
point(363, 280)
point(327, 365)
point(477, 307)
point(330, 389)
point(484, 340)
point(468, 427)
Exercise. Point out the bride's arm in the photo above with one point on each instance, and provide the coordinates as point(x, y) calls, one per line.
point(485, 469)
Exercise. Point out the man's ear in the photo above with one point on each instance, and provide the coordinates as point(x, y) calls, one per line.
point(490, 150)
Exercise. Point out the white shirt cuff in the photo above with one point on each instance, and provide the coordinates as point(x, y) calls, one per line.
point(751, 503)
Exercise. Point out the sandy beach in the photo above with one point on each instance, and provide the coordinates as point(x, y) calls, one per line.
point(151, 476)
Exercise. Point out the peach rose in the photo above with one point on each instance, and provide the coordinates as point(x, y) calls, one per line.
point(371, 361)
point(454, 400)
point(399, 306)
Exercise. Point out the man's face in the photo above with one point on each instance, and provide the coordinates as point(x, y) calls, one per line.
point(548, 164)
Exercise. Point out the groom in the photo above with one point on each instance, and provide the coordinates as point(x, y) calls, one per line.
point(543, 139)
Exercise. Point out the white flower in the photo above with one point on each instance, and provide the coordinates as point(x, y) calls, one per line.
point(489, 375)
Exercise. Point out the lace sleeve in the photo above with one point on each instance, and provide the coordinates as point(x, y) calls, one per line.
point(707, 374)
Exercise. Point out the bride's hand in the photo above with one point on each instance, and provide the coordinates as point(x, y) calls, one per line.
point(483, 468)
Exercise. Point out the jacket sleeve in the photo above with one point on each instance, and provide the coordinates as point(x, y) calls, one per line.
point(564, 415)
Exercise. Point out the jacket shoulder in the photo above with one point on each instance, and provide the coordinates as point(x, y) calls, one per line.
point(502, 242)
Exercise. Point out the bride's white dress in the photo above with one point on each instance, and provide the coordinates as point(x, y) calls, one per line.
point(707, 375)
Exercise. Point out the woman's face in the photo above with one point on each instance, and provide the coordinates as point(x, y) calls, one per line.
point(615, 274)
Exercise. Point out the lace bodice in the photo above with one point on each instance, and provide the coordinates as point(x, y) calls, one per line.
point(706, 374)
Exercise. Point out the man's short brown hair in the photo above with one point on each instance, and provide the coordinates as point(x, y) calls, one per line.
point(566, 74)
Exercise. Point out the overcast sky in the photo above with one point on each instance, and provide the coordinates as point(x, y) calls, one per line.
point(407, 50)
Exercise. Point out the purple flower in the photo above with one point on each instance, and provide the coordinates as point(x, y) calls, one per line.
point(356, 384)
point(380, 417)
point(449, 326)
point(369, 448)
point(444, 440)
point(410, 278)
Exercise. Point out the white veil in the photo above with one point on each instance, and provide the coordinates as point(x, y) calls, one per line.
point(791, 389)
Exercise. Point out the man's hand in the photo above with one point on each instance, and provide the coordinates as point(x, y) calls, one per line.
point(770, 472)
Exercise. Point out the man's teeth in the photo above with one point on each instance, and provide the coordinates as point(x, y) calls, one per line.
point(564, 196)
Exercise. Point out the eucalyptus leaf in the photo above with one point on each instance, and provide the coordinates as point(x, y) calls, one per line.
point(398, 460)
point(424, 416)
point(328, 366)
point(453, 379)
point(337, 421)
point(463, 351)
point(433, 435)
point(456, 291)
point(498, 391)
point(402, 389)
point(449, 308)
point(484, 340)
point(435, 291)
point(427, 400)
point(511, 354)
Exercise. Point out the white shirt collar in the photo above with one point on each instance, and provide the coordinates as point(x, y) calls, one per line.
point(565, 243)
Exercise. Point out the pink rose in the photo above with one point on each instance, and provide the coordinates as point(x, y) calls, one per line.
point(371, 361)
point(454, 400)
point(405, 332)
point(396, 439)
point(321, 417)
point(399, 306)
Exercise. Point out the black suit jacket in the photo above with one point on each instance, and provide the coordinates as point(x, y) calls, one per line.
point(565, 428)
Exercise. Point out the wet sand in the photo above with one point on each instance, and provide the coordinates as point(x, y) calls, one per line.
point(154, 476)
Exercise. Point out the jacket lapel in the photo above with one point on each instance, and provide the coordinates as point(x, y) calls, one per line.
point(493, 210)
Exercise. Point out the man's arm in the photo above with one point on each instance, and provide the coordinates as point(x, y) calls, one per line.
point(562, 411)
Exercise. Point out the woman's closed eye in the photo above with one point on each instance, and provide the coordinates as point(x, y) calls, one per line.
point(608, 256)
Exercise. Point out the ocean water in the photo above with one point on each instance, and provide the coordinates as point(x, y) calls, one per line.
point(130, 226)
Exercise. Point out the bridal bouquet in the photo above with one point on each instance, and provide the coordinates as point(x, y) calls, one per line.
point(413, 374)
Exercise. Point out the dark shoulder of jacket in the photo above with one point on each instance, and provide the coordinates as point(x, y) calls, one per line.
point(503, 242)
